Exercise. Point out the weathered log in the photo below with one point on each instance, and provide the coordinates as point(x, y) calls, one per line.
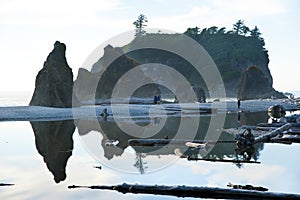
point(196, 145)
point(189, 191)
point(218, 160)
point(6, 184)
point(286, 140)
point(271, 125)
point(293, 132)
point(247, 187)
point(266, 137)
point(261, 128)
point(277, 124)
point(161, 142)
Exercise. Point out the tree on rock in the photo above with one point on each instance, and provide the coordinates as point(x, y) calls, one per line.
point(255, 32)
point(140, 24)
point(240, 28)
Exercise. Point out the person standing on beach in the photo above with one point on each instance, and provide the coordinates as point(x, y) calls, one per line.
point(239, 103)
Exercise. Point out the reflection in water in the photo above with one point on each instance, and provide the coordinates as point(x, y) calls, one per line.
point(54, 142)
point(111, 133)
point(140, 162)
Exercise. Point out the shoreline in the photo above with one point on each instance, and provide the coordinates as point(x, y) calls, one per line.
point(41, 113)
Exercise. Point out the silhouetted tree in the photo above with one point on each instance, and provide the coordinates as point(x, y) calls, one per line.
point(245, 30)
point(255, 32)
point(221, 30)
point(238, 27)
point(212, 30)
point(140, 24)
point(192, 32)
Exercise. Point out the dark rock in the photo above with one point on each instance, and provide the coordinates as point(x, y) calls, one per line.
point(105, 74)
point(276, 111)
point(54, 82)
point(85, 85)
point(231, 53)
point(254, 84)
point(148, 91)
point(200, 94)
point(110, 55)
point(196, 90)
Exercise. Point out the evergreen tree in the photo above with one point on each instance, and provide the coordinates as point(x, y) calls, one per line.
point(140, 24)
point(192, 31)
point(255, 32)
point(212, 30)
point(238, 27)
point(245, 30)
point(222, 30)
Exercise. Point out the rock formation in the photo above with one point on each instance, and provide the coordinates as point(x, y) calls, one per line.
point(54, 82)
point(85, 85)
point(232, 53)
point(101, 81)
point(254, 84)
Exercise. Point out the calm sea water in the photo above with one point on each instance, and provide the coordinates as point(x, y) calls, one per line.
point(43, 158)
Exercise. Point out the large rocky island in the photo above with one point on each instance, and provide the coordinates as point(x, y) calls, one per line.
point(233, 51)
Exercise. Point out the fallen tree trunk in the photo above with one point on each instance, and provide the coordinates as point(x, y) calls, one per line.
point(287, 140)
point(189, 191)
point(266, 137)
point(277, 124)
point(161, 142)
point(218, 160)
point(6, 184)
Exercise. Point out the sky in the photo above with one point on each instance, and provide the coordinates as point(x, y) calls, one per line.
point(28, 30)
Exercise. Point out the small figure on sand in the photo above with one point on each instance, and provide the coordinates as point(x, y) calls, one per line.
point(156, 99)
point(239, 103)
point(104, 114)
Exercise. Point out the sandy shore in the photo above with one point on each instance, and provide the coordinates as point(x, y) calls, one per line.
point(39, 113)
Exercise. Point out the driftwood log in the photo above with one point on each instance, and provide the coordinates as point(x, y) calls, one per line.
point(267, 136)
point(277, 124)
point(219, 160)
point(6, 184)
point(247, 187)
point(196, 192)
point(161, 142)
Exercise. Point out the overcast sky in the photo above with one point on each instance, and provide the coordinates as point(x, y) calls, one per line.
point(28, 30)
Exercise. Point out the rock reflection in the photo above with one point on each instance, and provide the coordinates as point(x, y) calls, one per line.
point(111, 133)
point(54, 142)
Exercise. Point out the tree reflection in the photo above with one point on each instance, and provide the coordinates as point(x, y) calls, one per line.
point(140, 162)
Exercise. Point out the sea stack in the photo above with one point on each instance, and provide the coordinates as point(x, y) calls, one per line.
point(254, 84)
point(54, 82)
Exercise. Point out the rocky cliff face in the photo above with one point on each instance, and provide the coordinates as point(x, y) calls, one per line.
point(231, 53)
point(101, 81)
point(54, 82)
point(254, 84)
